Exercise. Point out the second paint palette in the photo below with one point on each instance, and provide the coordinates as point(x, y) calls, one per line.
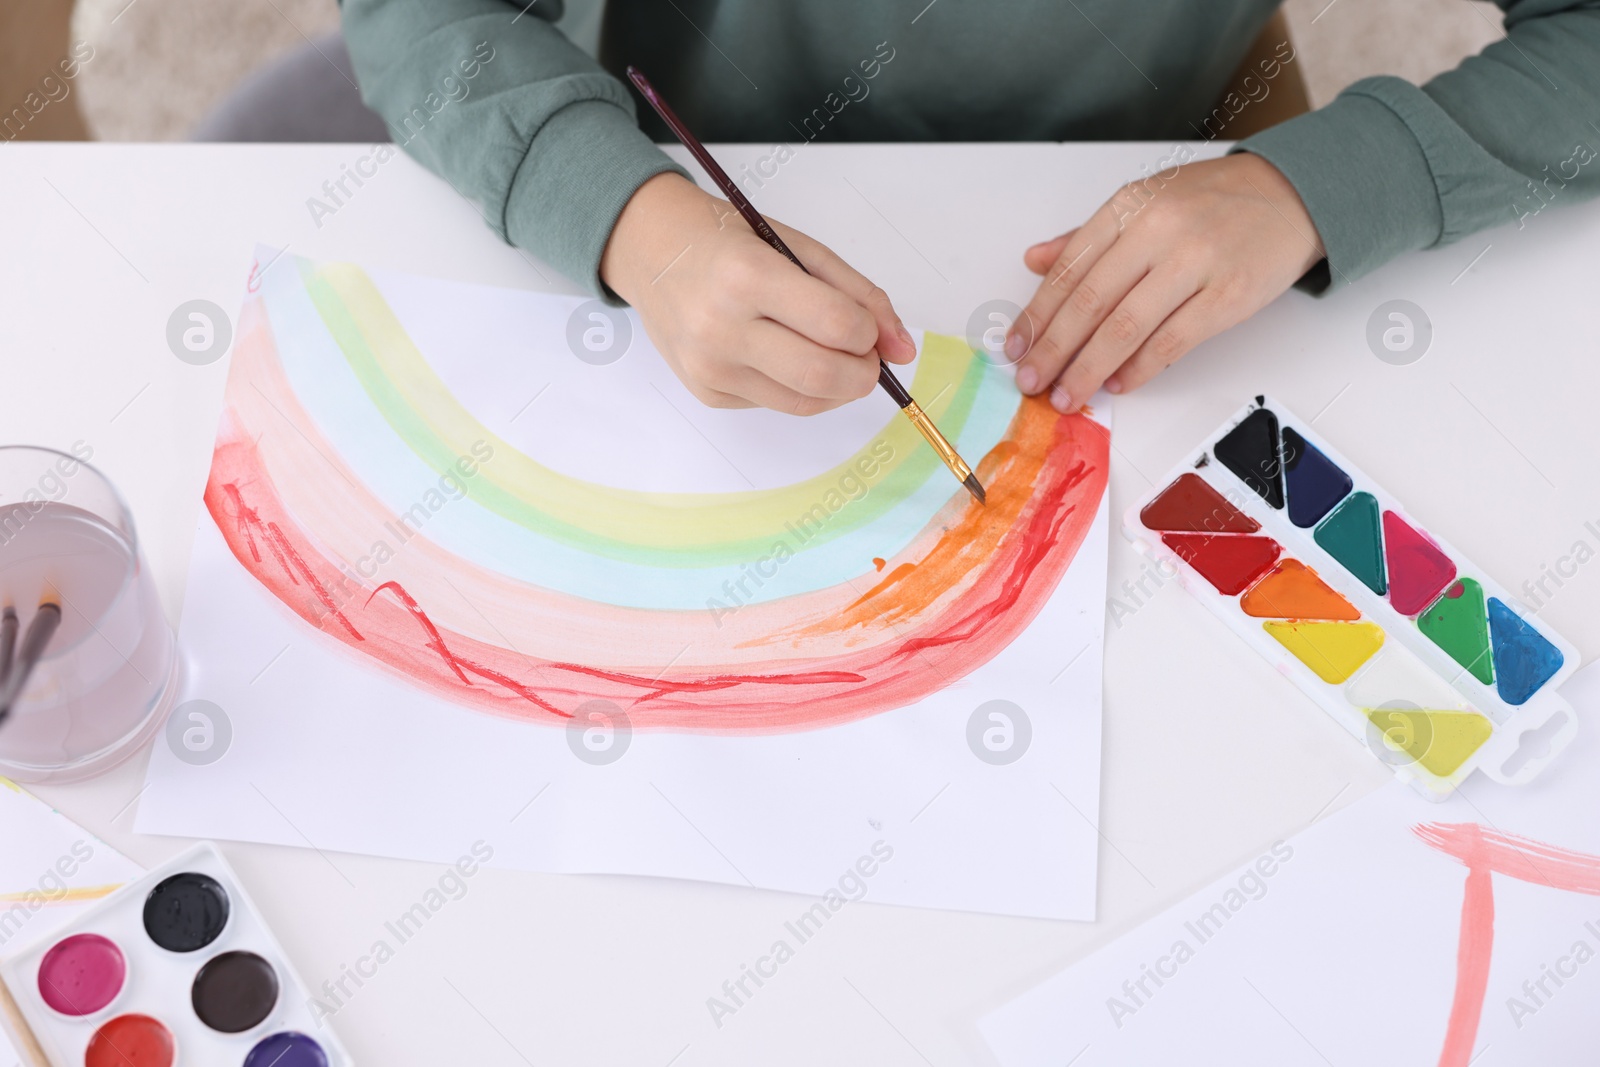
point(1392, 631)
point(175, 969)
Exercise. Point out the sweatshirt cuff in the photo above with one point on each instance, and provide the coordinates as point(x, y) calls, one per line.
point(1363, 178)
point(581, 169)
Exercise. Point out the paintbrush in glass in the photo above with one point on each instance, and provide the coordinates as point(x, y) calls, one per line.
point(8, 643)
point(40, 630)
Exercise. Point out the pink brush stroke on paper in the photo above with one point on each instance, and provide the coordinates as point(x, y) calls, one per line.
point(1486, 853)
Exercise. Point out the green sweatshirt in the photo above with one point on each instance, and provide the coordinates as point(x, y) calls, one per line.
point(548, 143)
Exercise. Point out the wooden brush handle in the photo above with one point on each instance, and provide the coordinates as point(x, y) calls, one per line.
point(20, 1032)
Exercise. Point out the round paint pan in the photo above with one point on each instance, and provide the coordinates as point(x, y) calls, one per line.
point(82, 975)
point(287, 1049)
point(186, 912)
point(234, 992)
point(131, 1041)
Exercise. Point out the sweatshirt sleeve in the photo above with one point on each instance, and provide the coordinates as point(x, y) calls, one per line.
point(519, 120)
point(1389, 167)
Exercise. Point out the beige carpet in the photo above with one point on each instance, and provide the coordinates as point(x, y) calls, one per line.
point(160, 65)
point(1342, 41)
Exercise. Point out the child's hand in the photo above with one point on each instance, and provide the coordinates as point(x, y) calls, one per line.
point(1158, 269)
point(736, 321)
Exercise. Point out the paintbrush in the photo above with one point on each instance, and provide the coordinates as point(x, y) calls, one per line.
point(8, 643)
point(31, 1052)
point(40, 630)
point(764, 230)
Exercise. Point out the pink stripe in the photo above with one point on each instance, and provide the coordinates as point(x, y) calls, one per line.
point(1486, 853)
point(1472, 969)
point(1518, 857)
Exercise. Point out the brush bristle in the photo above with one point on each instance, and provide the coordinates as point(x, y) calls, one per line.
point(975, 488)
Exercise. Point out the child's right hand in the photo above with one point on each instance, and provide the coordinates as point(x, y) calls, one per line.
point(736, 321)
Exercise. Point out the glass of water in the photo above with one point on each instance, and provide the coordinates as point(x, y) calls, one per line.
point(108, 674)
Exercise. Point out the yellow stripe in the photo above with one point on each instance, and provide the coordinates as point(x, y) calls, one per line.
point(433, 423)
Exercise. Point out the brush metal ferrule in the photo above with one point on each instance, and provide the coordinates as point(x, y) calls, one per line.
point(930, 432)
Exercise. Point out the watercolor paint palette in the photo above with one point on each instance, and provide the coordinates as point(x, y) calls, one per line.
point(175, 969)
point(1396, 634)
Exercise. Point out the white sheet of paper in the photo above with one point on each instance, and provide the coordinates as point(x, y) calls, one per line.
point(330, 751)
point(1347, 951)
point(50, 870)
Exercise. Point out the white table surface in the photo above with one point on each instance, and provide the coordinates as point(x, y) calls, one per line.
point(1490, 439)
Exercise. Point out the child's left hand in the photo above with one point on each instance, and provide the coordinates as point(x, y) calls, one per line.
point(1162, 266)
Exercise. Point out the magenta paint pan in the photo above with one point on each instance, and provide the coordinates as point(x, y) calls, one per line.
point(176, 969)
point(82, 974)
point(1395, 633)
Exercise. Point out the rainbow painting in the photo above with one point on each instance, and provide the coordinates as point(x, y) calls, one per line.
point(456, 565)
point(895, 584)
